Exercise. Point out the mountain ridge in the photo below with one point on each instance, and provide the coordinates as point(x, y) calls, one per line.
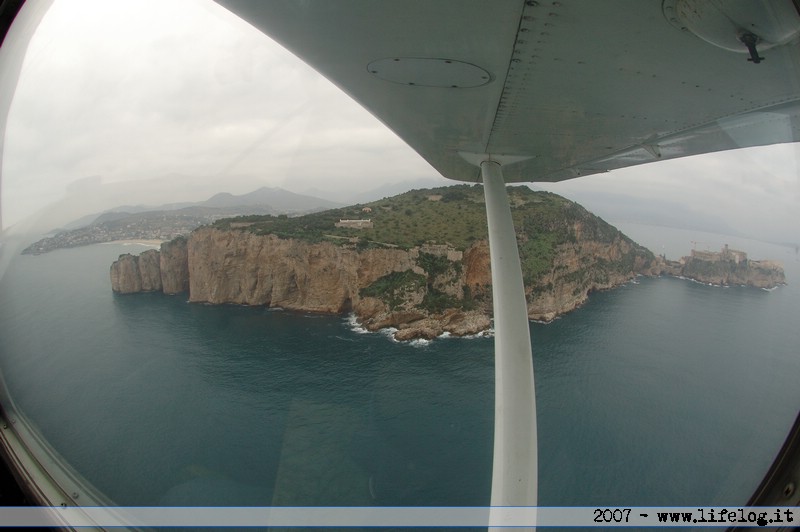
point(167, 221)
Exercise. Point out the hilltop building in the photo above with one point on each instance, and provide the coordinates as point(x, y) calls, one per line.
point(355, 224)
point(726, 254)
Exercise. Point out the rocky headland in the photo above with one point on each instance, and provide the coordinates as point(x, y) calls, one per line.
point(420, 266)
point(727, 267)
point(423, 287)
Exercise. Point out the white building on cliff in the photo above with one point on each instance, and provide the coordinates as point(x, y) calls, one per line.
point(355, 224)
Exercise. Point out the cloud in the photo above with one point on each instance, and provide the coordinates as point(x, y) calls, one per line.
point(112, 91)
point(752, 191)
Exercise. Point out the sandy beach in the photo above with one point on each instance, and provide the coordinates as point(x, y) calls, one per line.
point(140, 242)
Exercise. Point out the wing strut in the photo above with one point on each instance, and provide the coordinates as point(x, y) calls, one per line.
point(515, 470)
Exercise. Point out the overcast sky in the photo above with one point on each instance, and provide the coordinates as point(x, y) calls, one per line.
point(151, 102)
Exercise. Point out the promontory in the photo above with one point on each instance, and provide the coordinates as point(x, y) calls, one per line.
point(417, 262)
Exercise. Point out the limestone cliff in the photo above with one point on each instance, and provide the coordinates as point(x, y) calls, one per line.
point(153, 270)
point(150, 270)
point(244, 268)
point(125, 275)
point(581, 268)
point(174, 266)
point(423, 291)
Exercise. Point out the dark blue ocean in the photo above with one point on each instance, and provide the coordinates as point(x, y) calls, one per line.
point(662, 392)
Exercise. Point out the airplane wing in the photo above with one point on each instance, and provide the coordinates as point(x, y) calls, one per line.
point(549, 90)
point(542, 90)
point(558, 88)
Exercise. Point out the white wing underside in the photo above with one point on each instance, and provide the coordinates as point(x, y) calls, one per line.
point(559, 89)
point(550, 90)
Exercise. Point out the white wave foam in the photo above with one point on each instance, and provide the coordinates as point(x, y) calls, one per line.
point(355, 325)
point(488, 333)
point(389, 332)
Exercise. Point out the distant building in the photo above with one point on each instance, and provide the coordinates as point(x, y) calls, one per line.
point(734, 255)
point(366, 209)
point(708, 256)
point(727, 254)
point(355, 224)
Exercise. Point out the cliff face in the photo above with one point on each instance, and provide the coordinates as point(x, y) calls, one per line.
point(150, 270)
point(153, 270)
point(174, 266)
point(423, 291)
point(125, 275)
point(581, 268)
point(244, 268)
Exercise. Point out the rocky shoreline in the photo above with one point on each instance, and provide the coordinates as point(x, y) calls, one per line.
point(422, 292)
point(388, 288)
point(728, 267)
point(400, 272)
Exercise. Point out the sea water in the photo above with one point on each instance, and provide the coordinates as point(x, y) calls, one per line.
point(661, 392)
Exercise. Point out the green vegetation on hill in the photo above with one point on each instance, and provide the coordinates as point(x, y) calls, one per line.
point(453, 215)
point(394, 287)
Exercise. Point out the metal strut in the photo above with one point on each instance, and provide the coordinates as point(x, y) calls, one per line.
point(750, 40)
point(515, 469)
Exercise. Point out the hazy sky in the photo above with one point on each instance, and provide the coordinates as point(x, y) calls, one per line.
point(151, 102)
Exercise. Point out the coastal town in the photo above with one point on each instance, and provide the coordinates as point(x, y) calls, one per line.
point(168, 221)
point(146, 226)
